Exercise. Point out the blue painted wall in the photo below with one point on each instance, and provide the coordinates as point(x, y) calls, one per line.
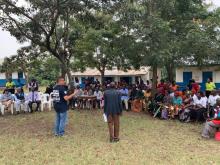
point(4, 81)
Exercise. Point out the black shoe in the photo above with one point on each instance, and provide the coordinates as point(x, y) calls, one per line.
point(112, 140)
point(116, 140)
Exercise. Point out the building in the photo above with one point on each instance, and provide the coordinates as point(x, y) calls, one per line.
point(199, 74)
point(16, 76)
point(130, 76)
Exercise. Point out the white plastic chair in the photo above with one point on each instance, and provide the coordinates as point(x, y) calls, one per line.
point(45, 100)
point(22, 106)
point(26, 109)
point(2, 107)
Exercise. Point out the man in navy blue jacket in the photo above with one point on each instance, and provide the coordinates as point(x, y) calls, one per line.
point(113, 109)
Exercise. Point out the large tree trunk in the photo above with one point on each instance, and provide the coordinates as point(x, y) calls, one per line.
point(154, 85)
point(66, 72)
point(69, 76)
point(102, 76)
point(170, 71)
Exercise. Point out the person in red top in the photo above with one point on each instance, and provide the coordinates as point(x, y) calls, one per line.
point(173, 86)
point(212, 126)
point(162, 87)
point(195, 86)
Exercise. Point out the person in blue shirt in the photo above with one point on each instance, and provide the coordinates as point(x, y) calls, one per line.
point(19, 99)
point(177, 104)
point(124, 96)
point(60, 98)
point(177, 99)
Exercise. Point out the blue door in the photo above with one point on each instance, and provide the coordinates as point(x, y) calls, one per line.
point(186, 77)
point(205, 76)
point(20, 75)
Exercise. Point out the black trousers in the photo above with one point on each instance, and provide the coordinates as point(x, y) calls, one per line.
point(207, 93)
point(197, 115)
point(30, 104)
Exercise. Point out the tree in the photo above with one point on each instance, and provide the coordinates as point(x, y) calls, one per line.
point(104, 45)
point(202, 43)
point(163, 28)
point(6, 67)
point(47, 24)
point(26, 60)
point(33, 64)
point(101, 48)
point(144, 22)
point(182, 20)
point(47, 70)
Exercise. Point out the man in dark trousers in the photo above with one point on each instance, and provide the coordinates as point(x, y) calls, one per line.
point(60, 99)
point(113, 109)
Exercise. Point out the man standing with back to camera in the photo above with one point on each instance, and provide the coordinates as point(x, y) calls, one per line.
point(113, 109)
point(60, 99)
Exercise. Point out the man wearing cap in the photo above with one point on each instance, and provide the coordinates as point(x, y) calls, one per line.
point(113, 109)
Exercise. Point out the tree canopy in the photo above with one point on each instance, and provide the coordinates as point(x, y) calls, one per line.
point(105, 34)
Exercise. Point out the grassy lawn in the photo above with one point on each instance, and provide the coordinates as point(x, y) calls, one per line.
point(27, 139)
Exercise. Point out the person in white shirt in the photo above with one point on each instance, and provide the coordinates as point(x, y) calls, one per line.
point(200, 107)
point(212, 102)
point(99, 96)
point(194, 97)
point(124, 96)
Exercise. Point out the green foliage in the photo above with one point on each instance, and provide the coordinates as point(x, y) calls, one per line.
point(173, 32)
point(103, 34)
point(33, 64)
point(46, 24)
point(47, 71)
point(104, 45)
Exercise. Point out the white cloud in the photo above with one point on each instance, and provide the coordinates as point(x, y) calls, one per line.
point(8, 44)
point(216, 2)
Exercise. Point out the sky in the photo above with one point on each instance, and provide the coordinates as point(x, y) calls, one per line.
point(9, 45)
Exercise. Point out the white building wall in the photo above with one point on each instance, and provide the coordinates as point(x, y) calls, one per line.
point(216, 76)
point(116, 78)
point(179, 75)
point(197, 73)
point(2, 76)
point(15, 75)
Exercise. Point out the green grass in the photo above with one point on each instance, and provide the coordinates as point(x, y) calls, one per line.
point(27, 139)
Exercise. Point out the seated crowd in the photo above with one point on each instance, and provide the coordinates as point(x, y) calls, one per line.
point(168, 102)
point(15, 99)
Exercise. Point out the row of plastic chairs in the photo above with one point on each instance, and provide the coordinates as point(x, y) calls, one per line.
point(46, 100)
